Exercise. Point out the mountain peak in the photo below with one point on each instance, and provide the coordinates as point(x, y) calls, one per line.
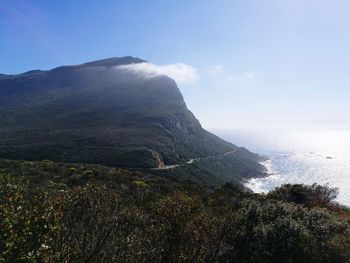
point(114, 61)
point(108, 62)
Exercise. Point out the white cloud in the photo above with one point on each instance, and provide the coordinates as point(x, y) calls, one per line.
point(180, 72)
point(249, 74)
point(220, 72)
point(216, 71)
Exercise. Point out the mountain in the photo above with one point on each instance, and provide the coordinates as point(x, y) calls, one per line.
point(100, 112)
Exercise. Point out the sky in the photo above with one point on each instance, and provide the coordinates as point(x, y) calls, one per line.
point(247, 64)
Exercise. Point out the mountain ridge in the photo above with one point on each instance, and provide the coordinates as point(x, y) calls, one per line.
point(112, 61)
point(98, 112)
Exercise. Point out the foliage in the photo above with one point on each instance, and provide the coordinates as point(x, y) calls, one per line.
point(311, 196)
point(93, 226)
point(284, 232)
point(94, 214)
point(26, 219)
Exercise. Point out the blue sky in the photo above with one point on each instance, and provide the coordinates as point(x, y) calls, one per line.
point(257, 64)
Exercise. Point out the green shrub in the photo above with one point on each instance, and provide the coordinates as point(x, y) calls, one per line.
point(26, 219)
point(311, 196)
point(285, 232)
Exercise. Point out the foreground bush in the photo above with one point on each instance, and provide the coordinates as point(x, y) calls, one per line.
point(27, 218)
point(93, 226)
point(283, 232)
point(309, 195)
point(95, 223)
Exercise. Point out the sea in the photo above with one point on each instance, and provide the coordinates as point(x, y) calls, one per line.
point(298, 156)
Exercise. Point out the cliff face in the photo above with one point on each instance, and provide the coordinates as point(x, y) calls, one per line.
point(98, 112)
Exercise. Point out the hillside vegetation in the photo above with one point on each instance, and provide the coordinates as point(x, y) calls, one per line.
point(57, 212)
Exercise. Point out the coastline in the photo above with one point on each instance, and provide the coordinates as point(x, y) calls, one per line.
point(302, 168)
point(254, 184)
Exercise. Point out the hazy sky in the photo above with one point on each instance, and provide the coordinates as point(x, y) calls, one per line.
point(240, 64)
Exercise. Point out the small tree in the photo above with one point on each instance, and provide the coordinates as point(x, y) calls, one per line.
point(26, 220)
point(94, 227)
point(310, 196)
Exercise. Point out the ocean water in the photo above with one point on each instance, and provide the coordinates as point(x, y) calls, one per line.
point(300, 156)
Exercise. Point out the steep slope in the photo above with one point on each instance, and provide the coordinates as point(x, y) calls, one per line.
point(99, 112)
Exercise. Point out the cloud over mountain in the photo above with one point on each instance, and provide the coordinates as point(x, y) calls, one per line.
point(180, 72)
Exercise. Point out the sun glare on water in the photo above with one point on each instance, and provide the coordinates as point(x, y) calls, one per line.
point(304, 156)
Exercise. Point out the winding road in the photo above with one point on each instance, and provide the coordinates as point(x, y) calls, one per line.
point(191, 161)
